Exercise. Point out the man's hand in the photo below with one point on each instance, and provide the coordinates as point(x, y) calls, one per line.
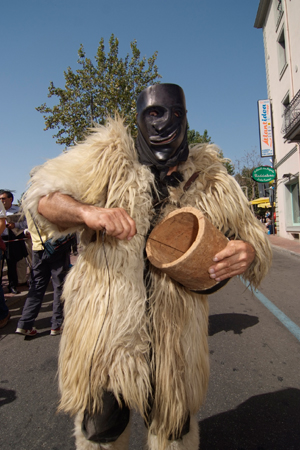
point(233, 260)
point(66, 212)
point(115, 221)
point(10, 225)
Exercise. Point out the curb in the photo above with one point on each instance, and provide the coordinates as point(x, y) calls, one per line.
point(286, 250)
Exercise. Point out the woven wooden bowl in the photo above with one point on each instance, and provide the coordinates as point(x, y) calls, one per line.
point(183, 245)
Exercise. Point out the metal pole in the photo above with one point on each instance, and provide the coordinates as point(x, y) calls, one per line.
point(272, 196)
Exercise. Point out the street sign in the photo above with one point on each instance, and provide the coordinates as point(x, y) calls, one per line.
point(265, 128)
point(263, 174)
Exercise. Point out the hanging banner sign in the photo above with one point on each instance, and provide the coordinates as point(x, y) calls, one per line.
point(263, 174)
point(265, 128)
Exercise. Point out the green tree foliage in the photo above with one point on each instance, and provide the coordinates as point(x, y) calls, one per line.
point(194, 137)
point(245, 166)
point(227, 163)
point(248, 185)
point(98, 90)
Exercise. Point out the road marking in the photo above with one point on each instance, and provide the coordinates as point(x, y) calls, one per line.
point(285, 320)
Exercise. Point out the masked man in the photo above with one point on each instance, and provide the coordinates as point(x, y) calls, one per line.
point(129, 343)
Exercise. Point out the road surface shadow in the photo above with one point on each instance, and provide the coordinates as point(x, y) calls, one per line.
point(263, 422)
point(230, 322)
point(7, 396)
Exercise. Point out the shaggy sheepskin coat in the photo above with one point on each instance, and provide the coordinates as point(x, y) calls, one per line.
point(117, 336)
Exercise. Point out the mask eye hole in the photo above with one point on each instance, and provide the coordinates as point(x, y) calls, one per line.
point(178, 112)
point(155, 111)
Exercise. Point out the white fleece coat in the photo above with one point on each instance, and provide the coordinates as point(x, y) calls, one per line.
point(109, 341)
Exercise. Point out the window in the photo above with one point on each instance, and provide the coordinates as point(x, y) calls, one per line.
point(281, 53)
point(295, 199)
point(278, 12)
point(292, 198)
point(285, 103)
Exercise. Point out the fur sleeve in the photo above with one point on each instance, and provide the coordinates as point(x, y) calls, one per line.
point(221, 199)
point(83, 172)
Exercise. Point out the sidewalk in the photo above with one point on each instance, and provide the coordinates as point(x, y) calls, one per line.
point(289, 245)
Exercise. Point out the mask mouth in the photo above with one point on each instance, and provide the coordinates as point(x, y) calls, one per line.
point(157, 140)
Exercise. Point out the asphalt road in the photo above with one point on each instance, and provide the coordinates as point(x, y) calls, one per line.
point(253, 401)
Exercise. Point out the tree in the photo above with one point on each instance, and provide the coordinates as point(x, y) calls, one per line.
point(194, 137)
point(227, 163)
point(96, 91)
point(245, 167)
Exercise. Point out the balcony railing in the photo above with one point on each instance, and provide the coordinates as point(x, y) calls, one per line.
point(291, 120)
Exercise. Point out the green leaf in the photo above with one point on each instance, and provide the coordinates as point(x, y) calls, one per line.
point(98, 89)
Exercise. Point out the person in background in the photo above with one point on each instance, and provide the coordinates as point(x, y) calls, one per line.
point(269, 225)
point(74, 246)
point(4, 312)
point(13, 237)
point(42, 271)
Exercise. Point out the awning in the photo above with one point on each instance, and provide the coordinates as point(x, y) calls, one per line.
point(264, 205)
point(262, 202)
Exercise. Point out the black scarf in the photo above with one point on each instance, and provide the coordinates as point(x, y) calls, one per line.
point(147, 157)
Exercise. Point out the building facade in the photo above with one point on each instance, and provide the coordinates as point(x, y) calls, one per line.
point(279, 21)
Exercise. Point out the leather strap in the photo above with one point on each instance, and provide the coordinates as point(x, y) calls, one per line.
point(190, 181)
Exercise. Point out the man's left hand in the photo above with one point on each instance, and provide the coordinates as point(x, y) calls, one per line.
point(233, 260)
point(10, 225)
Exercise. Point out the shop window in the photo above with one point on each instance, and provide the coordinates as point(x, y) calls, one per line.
point(292, 203)
point(295, 199)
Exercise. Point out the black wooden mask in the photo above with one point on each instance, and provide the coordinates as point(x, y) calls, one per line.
point(162, 126)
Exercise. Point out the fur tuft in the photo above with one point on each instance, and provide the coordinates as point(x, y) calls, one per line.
point(190, 441)
point(180, 368)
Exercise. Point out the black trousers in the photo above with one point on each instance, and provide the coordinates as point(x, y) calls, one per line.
point(15, 251)
point(108, 425)
point(41, 273)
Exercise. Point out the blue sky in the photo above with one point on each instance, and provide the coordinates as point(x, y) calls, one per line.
point(209, 47)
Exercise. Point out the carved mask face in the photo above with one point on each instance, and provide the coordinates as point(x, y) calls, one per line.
point(162, 119)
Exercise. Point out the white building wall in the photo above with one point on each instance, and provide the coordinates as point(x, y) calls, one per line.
point(293, 21)
point(283, 82)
